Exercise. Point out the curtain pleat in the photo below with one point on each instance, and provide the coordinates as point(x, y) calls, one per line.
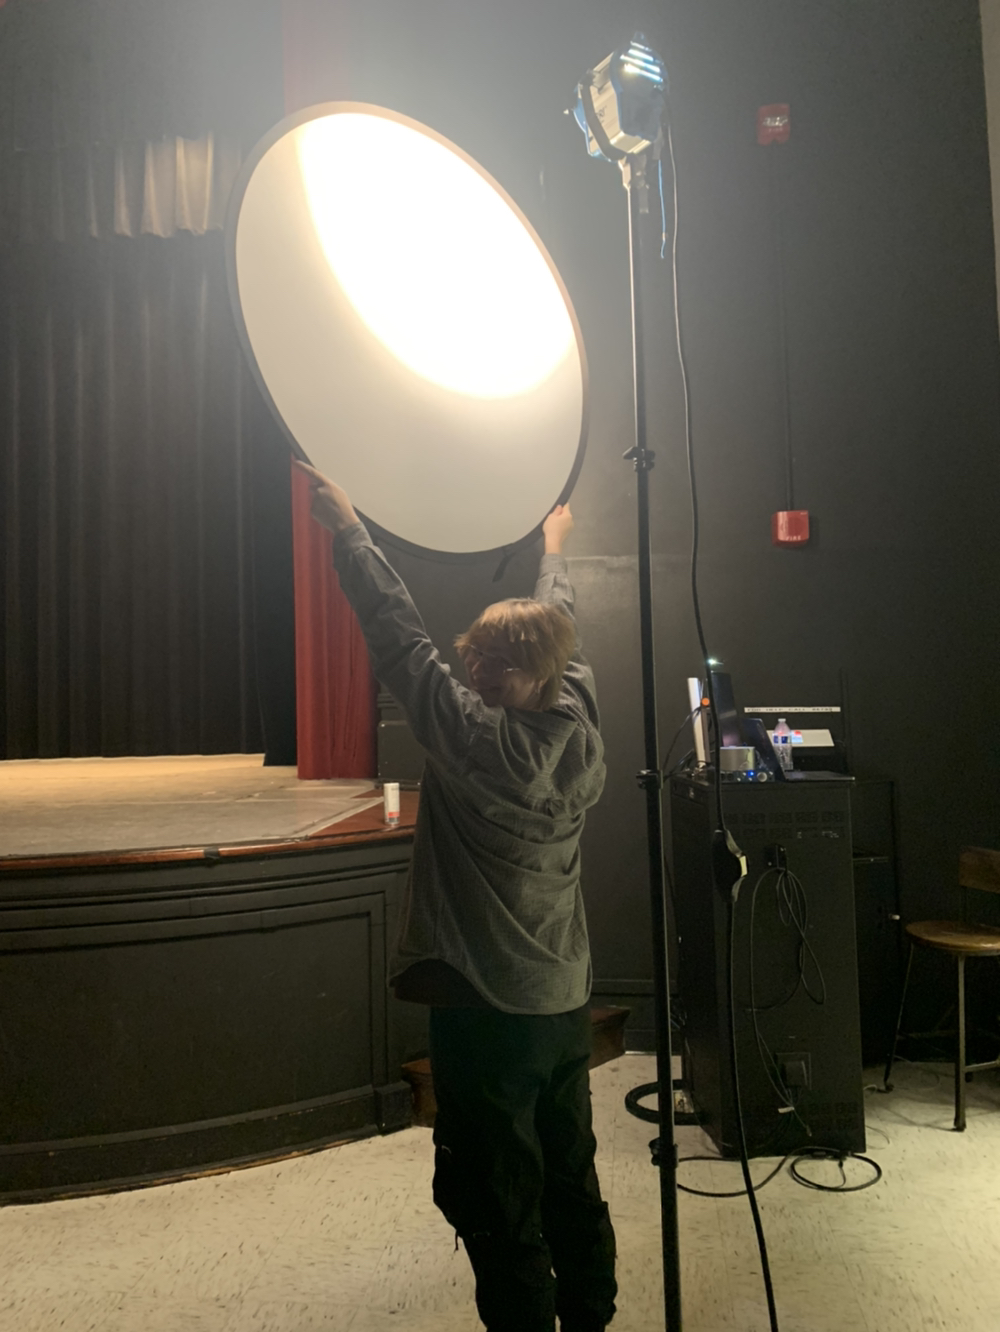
point(156, 188)
point(138, 458)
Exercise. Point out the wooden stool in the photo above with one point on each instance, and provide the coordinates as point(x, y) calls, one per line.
point(978, 870)
point(608, 1029)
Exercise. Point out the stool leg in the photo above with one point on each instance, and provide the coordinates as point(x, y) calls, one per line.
point(899, 1022)
point(960, 1051)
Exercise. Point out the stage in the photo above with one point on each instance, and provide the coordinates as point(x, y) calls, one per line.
point(87, 806)
point(193, 963)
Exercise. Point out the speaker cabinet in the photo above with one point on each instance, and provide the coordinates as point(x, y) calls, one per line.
point(798, 1039)
point(400, 758)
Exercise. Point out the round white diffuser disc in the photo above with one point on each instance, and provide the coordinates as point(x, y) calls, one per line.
point(408, 327)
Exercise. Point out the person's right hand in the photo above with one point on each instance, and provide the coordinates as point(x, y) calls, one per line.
point(557, 528)
point(330, 503)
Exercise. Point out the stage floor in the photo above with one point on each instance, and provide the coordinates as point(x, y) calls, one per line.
point(54, 807)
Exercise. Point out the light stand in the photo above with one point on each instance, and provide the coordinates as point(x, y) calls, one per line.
point(651, 780)
point(621, 116)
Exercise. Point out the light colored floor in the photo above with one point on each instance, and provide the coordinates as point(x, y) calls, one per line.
point(347, 1240)
point(73, 806)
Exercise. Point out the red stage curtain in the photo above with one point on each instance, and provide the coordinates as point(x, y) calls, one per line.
point(335, 690)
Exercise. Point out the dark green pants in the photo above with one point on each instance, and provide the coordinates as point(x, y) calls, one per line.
point(514, 1166)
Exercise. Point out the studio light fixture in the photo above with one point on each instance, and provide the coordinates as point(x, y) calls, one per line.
point(620, 105)
point(408, 328)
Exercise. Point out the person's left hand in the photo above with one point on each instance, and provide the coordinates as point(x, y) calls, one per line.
point(557, 528)
point(330, 503)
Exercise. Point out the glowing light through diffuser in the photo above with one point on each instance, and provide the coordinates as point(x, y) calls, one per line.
point(407, 328)
point(434, 260)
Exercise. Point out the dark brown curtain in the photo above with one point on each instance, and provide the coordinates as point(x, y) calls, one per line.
point(146, 598)
point(143, 485)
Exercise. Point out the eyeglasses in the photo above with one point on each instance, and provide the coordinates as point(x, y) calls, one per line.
point(488, 663)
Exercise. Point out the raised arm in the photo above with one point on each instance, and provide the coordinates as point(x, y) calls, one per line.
point(553, 583)
point(443, 715)
point(554, 586)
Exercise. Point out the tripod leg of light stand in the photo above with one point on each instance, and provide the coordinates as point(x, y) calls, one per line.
point(634, 177)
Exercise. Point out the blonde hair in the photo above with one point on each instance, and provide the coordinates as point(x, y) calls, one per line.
point(538, 637)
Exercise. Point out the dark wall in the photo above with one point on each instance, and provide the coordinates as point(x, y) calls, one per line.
point(892, 361)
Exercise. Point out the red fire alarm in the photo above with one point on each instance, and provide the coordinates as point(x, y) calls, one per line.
point(774, 123)
point(790, 527)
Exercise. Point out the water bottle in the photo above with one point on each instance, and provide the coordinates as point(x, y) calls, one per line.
point(781, 736)
point(390, 803)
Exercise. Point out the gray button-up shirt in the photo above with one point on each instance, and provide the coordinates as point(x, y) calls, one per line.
point(494, 889)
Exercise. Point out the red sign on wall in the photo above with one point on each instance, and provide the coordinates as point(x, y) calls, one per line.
point(774, 123)
point(790, 527)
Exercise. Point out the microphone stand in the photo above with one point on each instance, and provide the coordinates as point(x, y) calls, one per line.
point(633, 169)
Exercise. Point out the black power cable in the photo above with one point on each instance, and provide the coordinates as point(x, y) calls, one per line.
point(735, 1193)
point(636, 1095)
point(725, 852)
point(665, 767)
point(772, 1311)
point(829, 1154)
point(793, 909)
point(793, 1160)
